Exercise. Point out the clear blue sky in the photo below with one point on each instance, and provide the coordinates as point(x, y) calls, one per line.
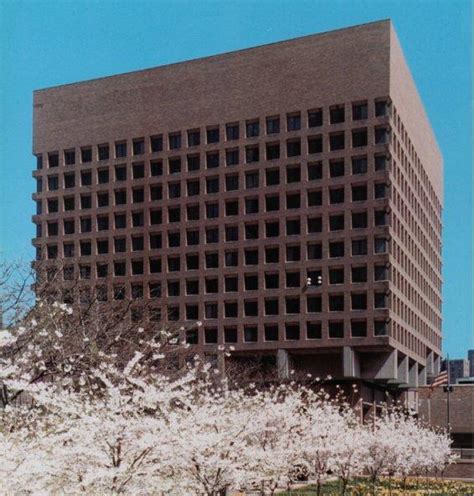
point(46, 43)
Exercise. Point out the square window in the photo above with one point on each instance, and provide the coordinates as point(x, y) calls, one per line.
point(192, 238)
point(210, 335)
point(293, 253)
point(252, 154)
point(359, 301)
point(271, 307)
point(120, 173)
point(272, 254)
point(138, 146)
point(380, 300)
point(336, 276)
point(336, 249)
point(359, 165)
point(212, 185)
point(69, 157)
point(232, 157)
point(251, 257)
point(155, 241)
point(271, 281)
point(212, 260)
point(174, 141)
point(359, 192)
point(359, 137)
point(212, 235)
point(231, 284)
point(174, 165)
point(380, 245)
point(138, 171)
point(380, 162)
point(174, 264)
point(359, 111)
point(315, 225)
point(382, 135)
point(103, 152)
point(210, 310)
point(359, 246)
point(293, 280)
point(174, 239)
point(380, 190)
point(174, 214)
point(232, 132)
point(359, 274)
point(173, 288)
point(138, 195)
point(192, 261)
point(212, 160)
point(137, 267)
point(313, 330)
point(315, 144)
point(292, 306)
point(231, 258)
point(336, 329)
point(192, 286)
point(251, 180)
point(358, 328)
point(293, 148)
point(337, 114)
point(315, 198)
point(192, 336)
point(380, 328)
point(336, 222)
point(336, 141)
point(271, 333)
point(272, 151)
point(194, 137)
point(293, 174)
point(212, 210)
point(381, 108)
point(272, 229)
point(251, 205)
point(156, 143)
point(86, 155)
point(230, 335)
point(121, 149)
point(293, 122)
point(86, 201)
point(250, 334)
point(193, 162)
point(232, 182)
point(231, 233)
point(315, 251)
point(315, 117)
point(212, 134)
point(336, 168)
point(192, 312)
point(293, 200)
point(292, 332)
point(293, 227)
point(154, 289)
point(273, 125)
point(272, 177)
point(251, 231)
point(69, 180)
point(272, 203)
point(252, 128)
point(53, 159)
point(314, 304)
point(359, 220)
point(336, 196)
point(315, 171)
point(231, 310)
point(380, 273)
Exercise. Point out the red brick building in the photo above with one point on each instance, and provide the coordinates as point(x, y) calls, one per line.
point(288, 196)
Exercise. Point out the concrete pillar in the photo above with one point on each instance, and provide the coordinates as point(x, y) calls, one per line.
point(403, 370)
point(436, 364)
point(430, 363)
point(350, 362)
point(388, 367)
point(421, 375)
point(283, 364)
point(413, 375)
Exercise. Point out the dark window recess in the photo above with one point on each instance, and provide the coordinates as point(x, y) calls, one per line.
point(212, 135)
point(192, 262)
point(251, 231)
point(251, 206)
point(193, 162)
point(250, 308)
point(272, 177)
point(359, 301)
point(252, 154)
point(192, 238)
point(174, 214)
point(39, 162)
point(86, 155)
point(103, 176)
point(137, 267)
point(293, 227)
point(314, 304)
point(359, 274)
point(231, 258)
point(359, 220)
point(337, 114)
point(359, 246)
point(212, 160)
point(336, 168)
point(174, 141)
point(272, 203)
point(293, 200)
point(336, 303)
point(120, 221)
point(174, 264)
point(380, 272)
point(231, 284)
point(359, 165)
point(86, 178)
point(336, 222)
point(251, 257)
point(336, 276)
point(231, 182)
point(250, 334)
point(273, 151)
point(174, 165)
point(86, 248)
point(192, 337)
point(230, 335)
point(120, 173)
point(138, 171)
point(359, 328)
point(382, 135)
point(231, 310)
point(156, 168)
point(315, 198)
point(68, 250)
point(381, 108)
point(232, 132)
point(273, 125)
point(336, 249)
point(102, 223)
point(381, 218)
point(293, 279)
point(212, 235)
point(156, 143)
point(336, 196)
point(69, 180)
point(380, 300)
point(380, 245)
point(86, 202)
point(173, 288)
point(53, 159)
point(315, 118)
point(232, 157)
point(336, 141)
point(232, 233)
point(120, 150)
point(380, 328)
point(194, 138)
point(380, 162)
point(192, 287)
point(359, 138)
point(315, 171)
point(251, 282)
point(292, 305)
point(212, 210)
point(174, 190)
point(313, 330)
point(271, 281)
point(271, 333)
point(293, 253)
point(292, 332)
point(232, 208)
point(69, 226)
point(272, 254)
point(193, 188)
point(138, 195)
point(293, 122)
point(293, 174)
point(103, 152)
point(315, 225)
point(359, 193)
point(252, 129)
point(138, 146)
point(359, 111)
point(212, 260)
point(315, 144)
point(69, 157)
point(53, 183)
point(293, 148)
point(315, 251)
point(212, 185)
point(380, 190)
point(156, 217)
point(53, 205)
point(210, 335)
point(174, 239)
point(154, 289)
point(86, 224)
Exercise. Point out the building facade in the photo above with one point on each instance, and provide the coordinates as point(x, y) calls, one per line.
point(288, 196)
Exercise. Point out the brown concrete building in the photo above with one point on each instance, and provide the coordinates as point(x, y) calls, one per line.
point(288, 196)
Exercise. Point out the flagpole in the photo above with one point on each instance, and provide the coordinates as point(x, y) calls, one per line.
point(448, 389)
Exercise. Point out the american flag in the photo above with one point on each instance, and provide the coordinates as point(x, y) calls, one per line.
point(440, 380)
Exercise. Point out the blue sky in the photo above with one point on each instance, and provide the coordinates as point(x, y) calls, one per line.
point(46, 43)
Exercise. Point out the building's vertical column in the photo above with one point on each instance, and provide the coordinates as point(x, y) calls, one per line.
point(421, 375)
point(283, 364)
point(403, 366)
point(413, 375)
point(388, 367)
point(350, 362)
